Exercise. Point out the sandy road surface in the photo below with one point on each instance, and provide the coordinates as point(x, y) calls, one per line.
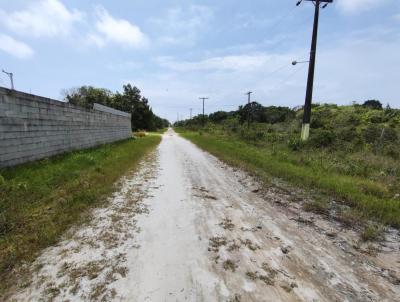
point(186, 227)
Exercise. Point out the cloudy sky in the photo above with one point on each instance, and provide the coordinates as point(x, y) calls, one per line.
point(176, 51)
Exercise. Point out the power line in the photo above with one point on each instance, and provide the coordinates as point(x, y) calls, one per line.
point(276, 70)
point(292, 74)
point(301, 22)
point(279, 21)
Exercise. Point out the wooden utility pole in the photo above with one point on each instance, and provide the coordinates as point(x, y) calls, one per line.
point(248, 108)
point(305, 129)
point(203, 109)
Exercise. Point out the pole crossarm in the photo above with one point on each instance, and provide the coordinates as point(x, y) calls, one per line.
point(316, 2)
point(320, 1)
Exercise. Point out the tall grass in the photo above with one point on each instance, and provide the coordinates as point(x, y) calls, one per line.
point(39, 201)
point(370, 198)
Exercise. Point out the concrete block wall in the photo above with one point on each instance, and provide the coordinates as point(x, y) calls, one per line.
point(34, 127)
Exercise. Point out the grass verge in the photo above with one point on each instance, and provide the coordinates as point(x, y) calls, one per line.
point(362, 195)
point(41, 200)
point(161, 131)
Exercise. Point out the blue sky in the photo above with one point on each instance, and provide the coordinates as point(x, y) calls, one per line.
point(177, 51)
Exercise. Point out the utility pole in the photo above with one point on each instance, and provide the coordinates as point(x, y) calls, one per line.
point(203, 109)
point(11, 76)
point(305, 129)
point(248, 109)
point(191, 112)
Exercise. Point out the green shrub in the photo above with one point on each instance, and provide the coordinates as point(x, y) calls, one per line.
point(353, 119)
point(390, 135)
point(393, 152)
point(347, 133)
point(235, 127)
point(295, 144)
point(371, 134)
point(350, 217)
point(376, 117)
point(140, 134)
point(317, 206)
point(372, 232)
point(316, 123)
point(253, 135)
point(322, 138)
point(2, 181)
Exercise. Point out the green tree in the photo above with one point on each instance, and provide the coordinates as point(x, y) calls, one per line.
point(373, 104)
point(86, 96)
point(260, 114)
point(130, 100)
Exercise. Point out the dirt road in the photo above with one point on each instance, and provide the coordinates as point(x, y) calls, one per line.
point(186, 227)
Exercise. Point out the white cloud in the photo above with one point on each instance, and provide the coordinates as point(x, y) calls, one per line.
point(50, 18)
point(45, 18)
point(96, 39)
point(182, 26)
point(15, 48)
point(119, 31)
point(236, 63)
point(354, 6)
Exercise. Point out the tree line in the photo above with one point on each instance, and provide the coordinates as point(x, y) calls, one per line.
point(258, 113)
point(129, 100)
point(365, 127)
point(254, 111)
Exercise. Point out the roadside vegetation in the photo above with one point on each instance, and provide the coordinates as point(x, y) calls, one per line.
point(41, 200)
point(353, 154)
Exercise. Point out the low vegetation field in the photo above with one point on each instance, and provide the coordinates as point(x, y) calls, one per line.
point(41, 200)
